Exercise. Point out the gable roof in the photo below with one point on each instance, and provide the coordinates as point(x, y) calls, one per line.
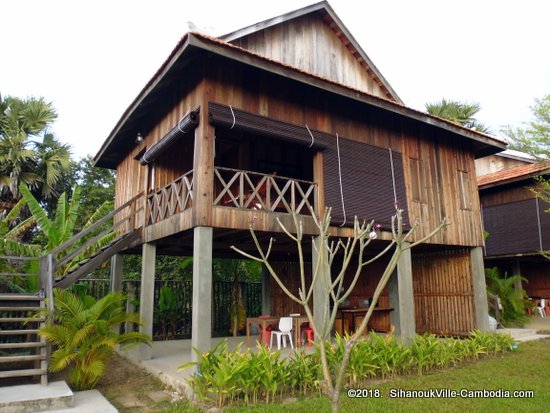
point(333, 21)
point(193, 44)
point(506, 176)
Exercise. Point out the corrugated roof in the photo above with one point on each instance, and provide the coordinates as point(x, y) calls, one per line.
point(512, 174)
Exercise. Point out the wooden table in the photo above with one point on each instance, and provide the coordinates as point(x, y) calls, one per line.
point(352, 312)
point(298, 321)
point(262, 322)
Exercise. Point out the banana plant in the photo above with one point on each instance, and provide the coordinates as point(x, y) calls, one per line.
point(59, 229)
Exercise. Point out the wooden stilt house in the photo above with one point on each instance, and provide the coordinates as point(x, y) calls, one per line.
point(516, 222)
point(281, 116)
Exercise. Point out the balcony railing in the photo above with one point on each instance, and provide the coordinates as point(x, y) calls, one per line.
point(174, 198)
point(272, 193)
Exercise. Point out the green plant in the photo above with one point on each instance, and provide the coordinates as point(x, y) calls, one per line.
point(85, 334)
point(167, 312)
point(513, 301)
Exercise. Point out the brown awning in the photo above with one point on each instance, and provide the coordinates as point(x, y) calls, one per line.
point(187, 124)
point(232, 118)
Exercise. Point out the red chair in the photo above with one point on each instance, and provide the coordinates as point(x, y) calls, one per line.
point(309, 331)
point(267, 331)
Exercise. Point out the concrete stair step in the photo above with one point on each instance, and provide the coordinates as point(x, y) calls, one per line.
point(89, 401)
point(36, 398)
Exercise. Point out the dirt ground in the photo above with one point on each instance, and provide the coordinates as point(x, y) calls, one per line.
point(131, 389)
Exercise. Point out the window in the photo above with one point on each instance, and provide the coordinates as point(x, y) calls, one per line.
point(464, 189)
point(418, 180)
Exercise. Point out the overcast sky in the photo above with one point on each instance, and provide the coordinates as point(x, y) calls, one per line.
point(91, 58)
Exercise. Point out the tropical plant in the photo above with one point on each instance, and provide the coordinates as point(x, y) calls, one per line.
point(62, 227)
point(85, 334)
point(227, 377)
point(167, 312)
point(28, 153)
point(461, 113)
point(514, 301)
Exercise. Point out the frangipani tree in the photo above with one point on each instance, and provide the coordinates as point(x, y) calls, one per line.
point(352, 252)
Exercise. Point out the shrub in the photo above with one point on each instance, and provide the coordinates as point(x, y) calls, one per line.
point(85, 333)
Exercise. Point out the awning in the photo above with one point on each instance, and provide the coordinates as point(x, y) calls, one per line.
point(187, 124)
point(232, 118)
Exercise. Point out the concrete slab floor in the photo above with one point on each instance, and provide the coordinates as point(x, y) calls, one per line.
point(89, 401)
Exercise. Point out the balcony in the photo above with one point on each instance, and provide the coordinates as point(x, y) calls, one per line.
point(236, 195)
point(269, 193)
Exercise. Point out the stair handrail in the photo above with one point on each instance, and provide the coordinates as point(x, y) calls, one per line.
point(95, 225)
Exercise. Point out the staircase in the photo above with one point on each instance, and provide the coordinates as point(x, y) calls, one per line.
point(22, 352)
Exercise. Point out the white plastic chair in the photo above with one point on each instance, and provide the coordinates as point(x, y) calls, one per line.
point(285, 329)
point(541, 307)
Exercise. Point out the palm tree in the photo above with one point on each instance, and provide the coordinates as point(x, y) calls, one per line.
point(85, 333)
point(458, 112)
point(28, 153)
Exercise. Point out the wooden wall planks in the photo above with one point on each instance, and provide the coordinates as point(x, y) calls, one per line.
point(245, 88)
point(443, 293)
point(310, 44)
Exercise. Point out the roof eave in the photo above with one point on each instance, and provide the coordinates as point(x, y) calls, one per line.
point(155, 80)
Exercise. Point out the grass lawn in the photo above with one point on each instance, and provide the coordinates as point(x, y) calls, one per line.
point(527, 368)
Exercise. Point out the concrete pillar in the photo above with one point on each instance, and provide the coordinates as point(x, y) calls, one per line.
point(516, 270)
point(401, 295)
point(201, 331)
point(480, 289)
point(117, 265)
point(266, 291)
point(320, 288)
point(147, 296)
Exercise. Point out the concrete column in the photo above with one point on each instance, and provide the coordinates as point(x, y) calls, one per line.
point(201, 331)
point(516, 270)
point(117, 265)
point(401, 296)
point(266, 291)
point(320, 288)
point(147, 296)
point(480, 289)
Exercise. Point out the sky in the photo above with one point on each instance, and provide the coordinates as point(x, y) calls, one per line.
point(92, 58)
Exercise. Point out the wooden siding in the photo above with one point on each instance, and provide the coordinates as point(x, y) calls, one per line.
point(443, 293)
point(131, 176)
point(267, 95)
point(516, 192)
point(495, 163)
point(538, 278)
point(310, 44)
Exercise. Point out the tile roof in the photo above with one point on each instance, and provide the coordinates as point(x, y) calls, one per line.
point(512, 174)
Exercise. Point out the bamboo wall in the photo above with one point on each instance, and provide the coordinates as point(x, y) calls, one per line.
point(443, 292)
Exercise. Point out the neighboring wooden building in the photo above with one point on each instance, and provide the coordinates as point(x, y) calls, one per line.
point(297, 95)
point(503, 160)
point(518, 225)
